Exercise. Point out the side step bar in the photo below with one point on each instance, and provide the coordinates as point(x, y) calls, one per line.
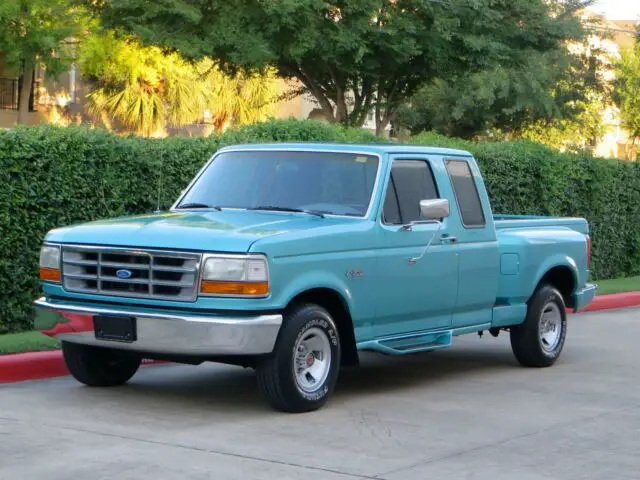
point(408, 344)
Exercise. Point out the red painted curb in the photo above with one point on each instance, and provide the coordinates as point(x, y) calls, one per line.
point(615, 300)
point(38, 365)
point(32, 366)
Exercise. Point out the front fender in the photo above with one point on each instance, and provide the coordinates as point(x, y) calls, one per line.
point(355, 297)
point(315, 279)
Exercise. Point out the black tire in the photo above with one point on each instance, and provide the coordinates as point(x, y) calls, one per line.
point(527, 343)
point(276, 373)
point(99, 367)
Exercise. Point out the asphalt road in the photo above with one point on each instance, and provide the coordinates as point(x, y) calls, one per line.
point(468, 412)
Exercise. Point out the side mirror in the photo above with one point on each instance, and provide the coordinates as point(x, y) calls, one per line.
point(434, 209)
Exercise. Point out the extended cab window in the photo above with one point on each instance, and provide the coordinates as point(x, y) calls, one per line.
point(464, 187)
point(410, 182)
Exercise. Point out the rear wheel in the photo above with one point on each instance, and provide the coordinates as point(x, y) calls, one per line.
point(538, 342)
point(98, 366)
point(301, 373)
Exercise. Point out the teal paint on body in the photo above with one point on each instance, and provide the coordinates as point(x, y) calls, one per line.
point(507, 315)
point(481, 280)
point(509, 264)
point(584, 297)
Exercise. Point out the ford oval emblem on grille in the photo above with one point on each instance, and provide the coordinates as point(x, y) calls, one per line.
point(124, 274)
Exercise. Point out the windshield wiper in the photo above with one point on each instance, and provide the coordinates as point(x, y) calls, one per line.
point(197, 205)
point(288, 209)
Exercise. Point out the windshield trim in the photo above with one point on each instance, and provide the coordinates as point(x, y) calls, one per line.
point(374, 190)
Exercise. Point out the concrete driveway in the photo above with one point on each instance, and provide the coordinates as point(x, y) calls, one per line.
point(464, 413)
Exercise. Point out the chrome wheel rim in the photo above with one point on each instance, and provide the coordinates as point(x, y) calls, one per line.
point(311, 360)
point(550, 329)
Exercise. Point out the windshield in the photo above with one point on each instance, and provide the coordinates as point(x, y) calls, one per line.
point(332, 183)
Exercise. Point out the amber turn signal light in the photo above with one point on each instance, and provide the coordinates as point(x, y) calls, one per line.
point(217, 287)
point(49, 274)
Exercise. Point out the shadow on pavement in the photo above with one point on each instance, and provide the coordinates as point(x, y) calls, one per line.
point(224, 388)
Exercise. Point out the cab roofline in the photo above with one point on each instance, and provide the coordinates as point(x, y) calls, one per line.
point(379, 149)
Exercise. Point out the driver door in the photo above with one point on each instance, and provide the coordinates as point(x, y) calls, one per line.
point(419, 289)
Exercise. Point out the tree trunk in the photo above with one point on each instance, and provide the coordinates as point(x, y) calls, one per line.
point(25, 91)
point(342, 112)
point(382, 121)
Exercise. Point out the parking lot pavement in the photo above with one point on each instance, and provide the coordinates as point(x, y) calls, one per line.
point(468, 412)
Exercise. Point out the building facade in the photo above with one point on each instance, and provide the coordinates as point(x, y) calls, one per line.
point(616, 141)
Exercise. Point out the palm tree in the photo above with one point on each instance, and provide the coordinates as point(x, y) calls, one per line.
point(147, 91)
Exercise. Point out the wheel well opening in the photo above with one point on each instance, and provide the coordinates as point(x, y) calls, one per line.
point(333, 302)
point(561, 278)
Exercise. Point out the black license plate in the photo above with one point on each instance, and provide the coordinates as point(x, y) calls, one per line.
point(115, 329)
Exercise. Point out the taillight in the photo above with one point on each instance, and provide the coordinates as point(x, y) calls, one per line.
point(588, 250)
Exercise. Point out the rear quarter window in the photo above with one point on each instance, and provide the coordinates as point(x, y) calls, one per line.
point(466, 192)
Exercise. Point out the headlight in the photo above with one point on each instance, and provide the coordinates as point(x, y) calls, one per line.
point(243, 276)
point(50, 263)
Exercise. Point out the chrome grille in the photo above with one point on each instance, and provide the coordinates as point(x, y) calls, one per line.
point(131, 273)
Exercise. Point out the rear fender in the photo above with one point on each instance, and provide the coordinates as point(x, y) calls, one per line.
point(551, 263)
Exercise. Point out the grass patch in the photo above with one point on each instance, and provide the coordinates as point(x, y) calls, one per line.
point(618, 285)
point(26, 342)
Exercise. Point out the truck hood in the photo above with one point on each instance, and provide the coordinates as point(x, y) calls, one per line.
point(226, 231)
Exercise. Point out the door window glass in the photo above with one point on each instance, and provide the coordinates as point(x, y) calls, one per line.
point(410, 182)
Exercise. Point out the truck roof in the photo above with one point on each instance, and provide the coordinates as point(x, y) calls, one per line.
point(351, 147)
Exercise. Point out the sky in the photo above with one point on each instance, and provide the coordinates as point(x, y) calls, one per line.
point(619, 9)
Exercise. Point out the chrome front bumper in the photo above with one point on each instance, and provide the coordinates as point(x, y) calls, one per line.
point(163, 333)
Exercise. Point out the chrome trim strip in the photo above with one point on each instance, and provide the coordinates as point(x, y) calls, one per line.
point(164, 333)
point(263, 319)
point(188, 255)
point(374, 190)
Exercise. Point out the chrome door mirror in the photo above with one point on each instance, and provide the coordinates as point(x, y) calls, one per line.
point(434, 209)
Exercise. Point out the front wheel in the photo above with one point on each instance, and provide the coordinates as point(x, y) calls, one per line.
point(538, 341)
point(301, 373)
point(98, 366)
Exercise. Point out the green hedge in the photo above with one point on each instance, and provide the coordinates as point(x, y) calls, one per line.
point(55, 176)
point(60, 176)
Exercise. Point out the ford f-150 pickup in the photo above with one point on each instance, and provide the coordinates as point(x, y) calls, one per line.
point(293, 258)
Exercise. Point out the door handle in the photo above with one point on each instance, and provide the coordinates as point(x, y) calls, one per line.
point(448, 239)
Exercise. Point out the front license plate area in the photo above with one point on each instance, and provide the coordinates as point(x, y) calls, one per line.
point(115, 329)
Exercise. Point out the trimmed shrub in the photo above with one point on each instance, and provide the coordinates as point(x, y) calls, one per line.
point(54, 177)
point(297, 131)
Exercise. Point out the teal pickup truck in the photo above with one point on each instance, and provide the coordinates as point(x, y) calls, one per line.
point(293, 258)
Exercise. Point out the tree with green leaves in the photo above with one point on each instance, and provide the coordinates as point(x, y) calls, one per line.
point(147, 90)
point(359, 55)
point(559, 87)
point(627, 90)
point(575, 134)
point(37, 31)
